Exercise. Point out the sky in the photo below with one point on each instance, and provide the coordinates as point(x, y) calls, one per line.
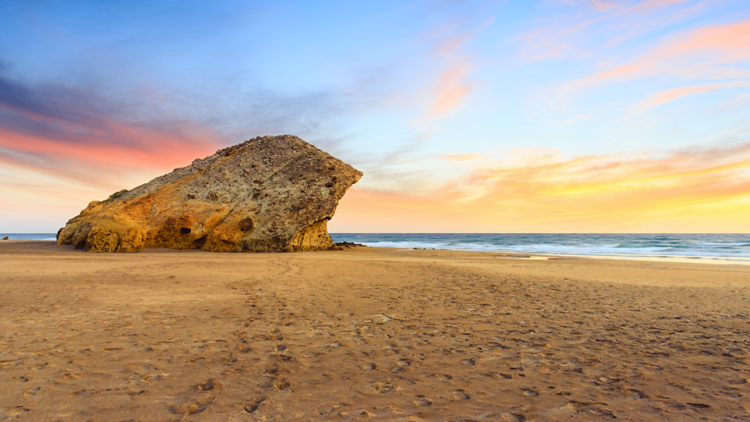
point(465, 116)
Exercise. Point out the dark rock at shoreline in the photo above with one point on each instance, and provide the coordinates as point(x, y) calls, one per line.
point(350, 245)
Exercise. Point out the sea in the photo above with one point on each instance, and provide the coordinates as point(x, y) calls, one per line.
point(717, 248)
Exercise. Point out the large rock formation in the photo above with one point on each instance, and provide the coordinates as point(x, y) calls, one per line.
point(272, 193)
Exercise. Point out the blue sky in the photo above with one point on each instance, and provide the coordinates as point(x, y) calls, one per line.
point(479, 116)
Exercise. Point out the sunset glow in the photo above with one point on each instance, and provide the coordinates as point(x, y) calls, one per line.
point(540, 116)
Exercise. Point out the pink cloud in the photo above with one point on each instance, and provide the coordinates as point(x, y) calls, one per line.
point(606, 23)
point(452, 85)
point(698, 54)
point(95, 160)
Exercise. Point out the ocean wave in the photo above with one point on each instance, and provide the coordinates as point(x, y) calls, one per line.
point(730, 246)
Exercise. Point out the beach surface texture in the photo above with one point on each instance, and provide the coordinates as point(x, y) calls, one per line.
point(368, 334)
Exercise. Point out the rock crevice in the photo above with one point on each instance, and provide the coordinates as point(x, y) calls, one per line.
point(268, 194)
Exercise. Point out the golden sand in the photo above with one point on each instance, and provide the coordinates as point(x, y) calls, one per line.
point(368, 334)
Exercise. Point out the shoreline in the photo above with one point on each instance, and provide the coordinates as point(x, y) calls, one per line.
point(508, 255)
point(645, 258)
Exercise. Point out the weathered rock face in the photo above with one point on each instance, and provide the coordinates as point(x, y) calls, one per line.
point(273, 193)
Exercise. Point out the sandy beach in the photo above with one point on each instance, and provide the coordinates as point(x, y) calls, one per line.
point(368, 334)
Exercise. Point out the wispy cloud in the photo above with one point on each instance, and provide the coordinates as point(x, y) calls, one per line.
point(541, 189)
point(76, 134)
point(677, 93)
point(702, 53)
point(592, 25)
point(79, 134)
point(453, 84)
point(572, 120)
point(465, 157)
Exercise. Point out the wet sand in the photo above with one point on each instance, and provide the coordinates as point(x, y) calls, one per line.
point(368, 334)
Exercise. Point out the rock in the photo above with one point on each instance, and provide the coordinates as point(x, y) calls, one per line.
point(5, 238)
point(268, 194)
point(350, 245)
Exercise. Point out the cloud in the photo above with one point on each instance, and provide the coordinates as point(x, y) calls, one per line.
point(76, 133)
point(600, 5)
point(677, 93)
point(702, 53)
point(452, 85)
point(738, 101)
point(465, 157)
point(542, 190)
point(573, 120)
point(599, 25)
point(79, 134)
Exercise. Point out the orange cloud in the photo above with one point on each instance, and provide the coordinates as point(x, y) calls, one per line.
point(452, 86)
point(465, 157)
point(373, 211)
point(451, 90)
point(542, 191)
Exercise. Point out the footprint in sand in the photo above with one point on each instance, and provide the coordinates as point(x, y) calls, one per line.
point(193, 406)
point(253, 404)
point(635, 394)
point(530, 392)
point(603, 413)
point(17, 411)
point(513, 417)
point(274, 335)
point(284, 358)
point(282, 384)
point(396, 369)
point(325, 410)
point(272, 369)
point(422, 401)
point(460, 395)
point(209, 385)
point(382, 387)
